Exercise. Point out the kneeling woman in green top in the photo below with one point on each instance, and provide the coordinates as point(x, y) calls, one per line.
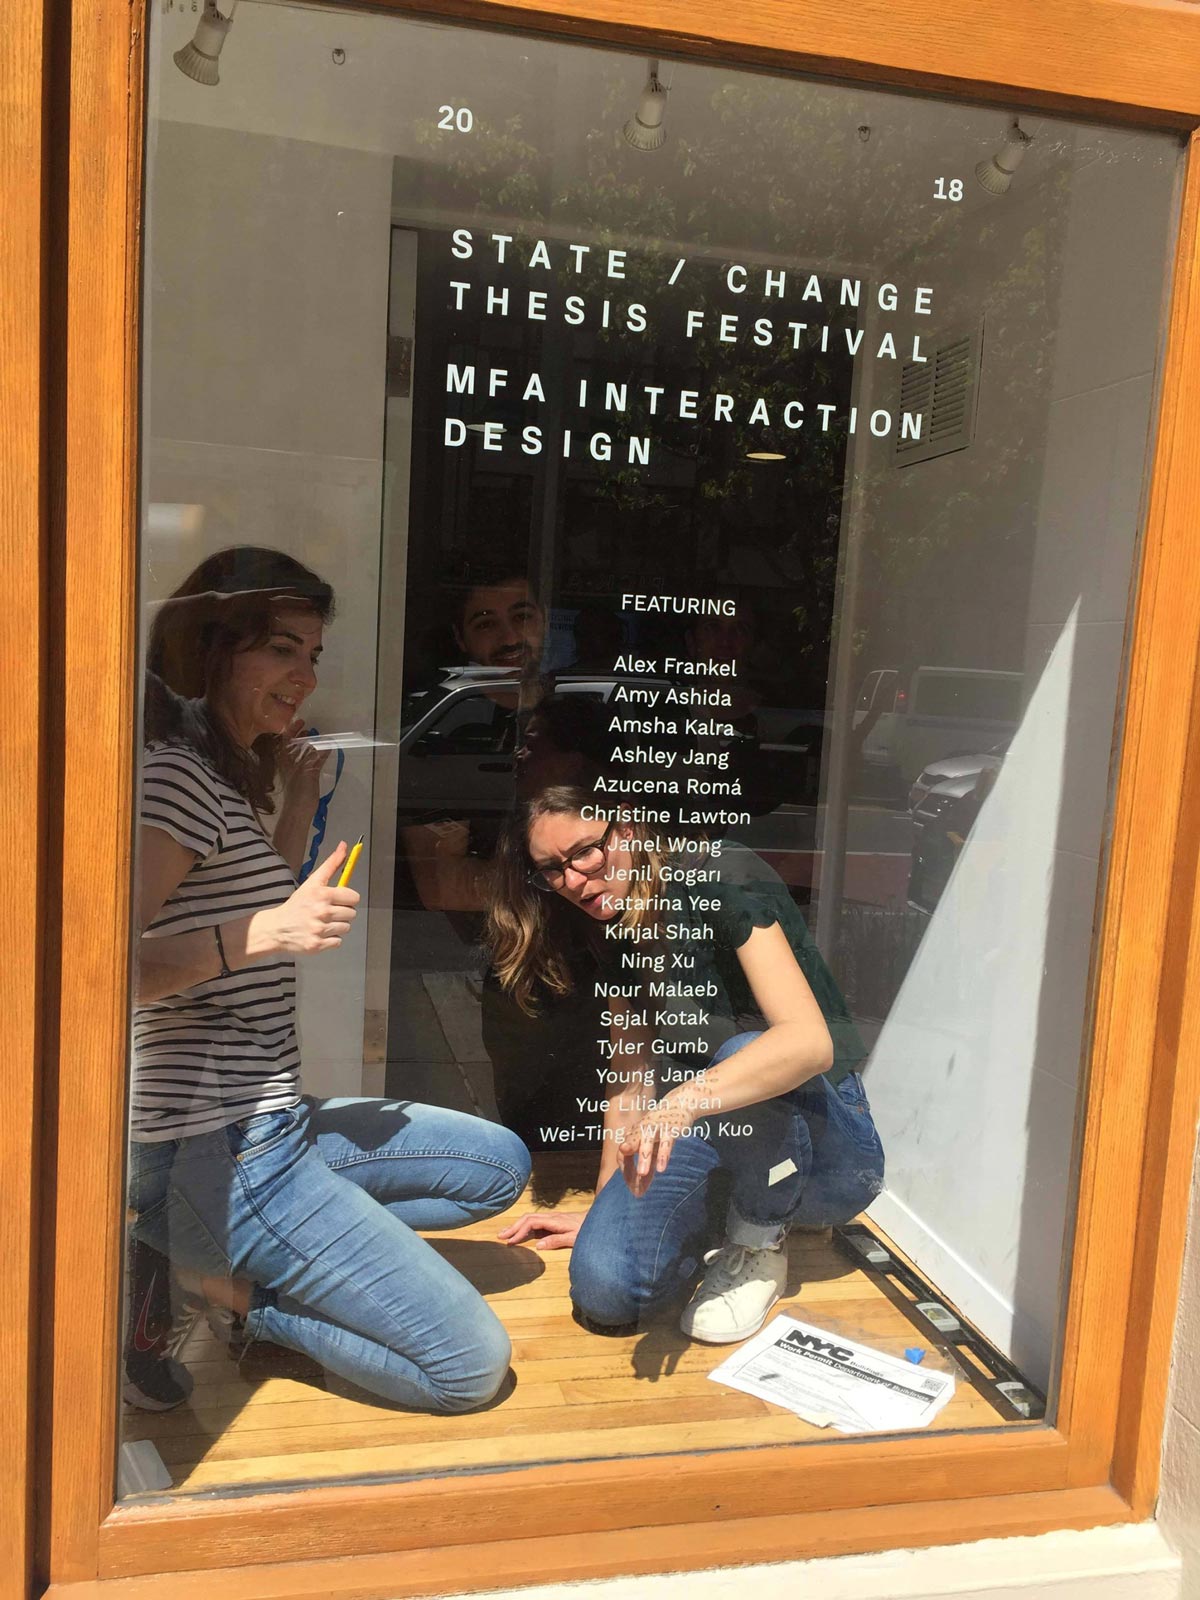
point(729, 1101)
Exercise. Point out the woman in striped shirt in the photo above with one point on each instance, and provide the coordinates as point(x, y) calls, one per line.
point(294, 1214)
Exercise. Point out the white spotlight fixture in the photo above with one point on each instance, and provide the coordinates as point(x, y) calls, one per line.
point(198, 59)
point(996, 173)
point(644, 130)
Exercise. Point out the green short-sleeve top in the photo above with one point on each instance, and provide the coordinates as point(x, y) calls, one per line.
point(689, 983)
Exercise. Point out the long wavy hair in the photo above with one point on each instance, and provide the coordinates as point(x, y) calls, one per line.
point(532, 936)
point(226, 605)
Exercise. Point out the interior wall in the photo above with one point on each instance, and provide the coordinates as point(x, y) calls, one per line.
point(267, 340)
point(977, 1102)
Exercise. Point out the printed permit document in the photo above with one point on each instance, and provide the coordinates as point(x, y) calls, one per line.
point(833, 1382)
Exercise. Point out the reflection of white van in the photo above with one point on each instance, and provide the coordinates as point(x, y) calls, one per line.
point(944, 711)
point(878, 690)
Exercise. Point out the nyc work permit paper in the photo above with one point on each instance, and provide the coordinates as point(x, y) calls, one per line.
point(833, 1382)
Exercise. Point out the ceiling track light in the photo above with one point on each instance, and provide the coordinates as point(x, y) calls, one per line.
point(644, 130)
point(198, 59)
point(996, 173)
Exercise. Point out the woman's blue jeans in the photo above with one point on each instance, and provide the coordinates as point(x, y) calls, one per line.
point(810, 1158)
point(317, 1206)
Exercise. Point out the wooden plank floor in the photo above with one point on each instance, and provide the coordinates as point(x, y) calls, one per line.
point(269, 1420)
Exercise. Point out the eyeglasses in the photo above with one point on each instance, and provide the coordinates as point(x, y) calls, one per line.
point(584, 860)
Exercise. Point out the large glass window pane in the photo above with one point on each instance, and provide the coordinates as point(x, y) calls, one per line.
point(684, 521)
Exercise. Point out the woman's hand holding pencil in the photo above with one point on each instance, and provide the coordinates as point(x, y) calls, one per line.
point(316, 917)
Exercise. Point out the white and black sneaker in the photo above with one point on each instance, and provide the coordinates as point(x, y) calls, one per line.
point(155, 1379)
point(155, 1382)
point(735, 1295)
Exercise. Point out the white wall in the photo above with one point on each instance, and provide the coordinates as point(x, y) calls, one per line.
point(950, 1074)
point(267, 342)
point(974, 1078)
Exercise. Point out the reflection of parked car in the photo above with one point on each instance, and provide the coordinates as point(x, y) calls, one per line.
point(458, 748)
point(943, 813)
point(458, 756)
point(791, 747)
point(962, 764)
point(879, 692)
point(943, 709)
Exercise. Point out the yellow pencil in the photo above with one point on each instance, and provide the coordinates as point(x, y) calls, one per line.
point(351, 862)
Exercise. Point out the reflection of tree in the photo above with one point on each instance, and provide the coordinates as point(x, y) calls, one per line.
point(497, 170)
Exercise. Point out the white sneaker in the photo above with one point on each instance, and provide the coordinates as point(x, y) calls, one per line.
point(738, 1290)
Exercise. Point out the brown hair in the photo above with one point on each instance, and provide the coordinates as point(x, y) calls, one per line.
point(527, 932)
point(500, 577)
point(226, 605)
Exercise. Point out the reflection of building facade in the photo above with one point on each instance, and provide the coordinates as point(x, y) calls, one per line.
point(748, 536)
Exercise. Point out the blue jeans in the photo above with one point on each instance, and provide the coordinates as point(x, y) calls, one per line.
point(316, 1205)
point(635, 1256)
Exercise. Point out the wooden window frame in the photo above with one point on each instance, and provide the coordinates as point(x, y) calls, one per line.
point(68, 537)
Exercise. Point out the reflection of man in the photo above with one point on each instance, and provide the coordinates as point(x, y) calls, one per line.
point(498, 624)
point(501, 625)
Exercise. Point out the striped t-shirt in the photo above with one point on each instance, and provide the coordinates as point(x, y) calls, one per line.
point(224, 1049)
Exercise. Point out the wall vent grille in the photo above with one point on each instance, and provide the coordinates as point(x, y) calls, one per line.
point(944, 388)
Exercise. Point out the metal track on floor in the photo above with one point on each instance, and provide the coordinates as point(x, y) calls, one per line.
point(992, 1373)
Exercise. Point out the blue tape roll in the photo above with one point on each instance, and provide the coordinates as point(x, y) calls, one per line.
point(321, 814)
